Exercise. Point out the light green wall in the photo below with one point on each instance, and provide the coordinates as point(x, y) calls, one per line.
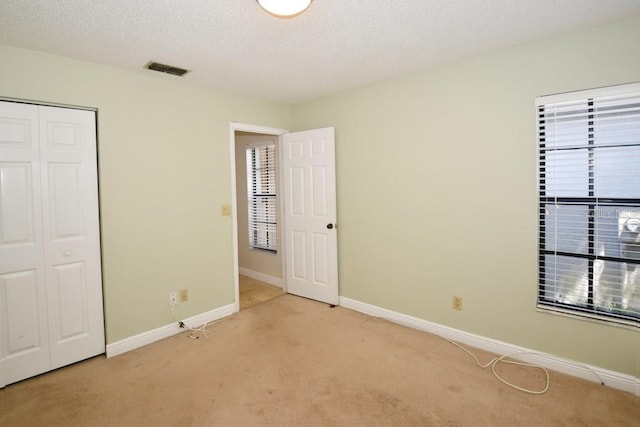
point(436, 186)
point(436, 177)
point(164, 169)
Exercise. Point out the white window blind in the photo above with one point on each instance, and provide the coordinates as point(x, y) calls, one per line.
point(589, 202)
point(261, 192)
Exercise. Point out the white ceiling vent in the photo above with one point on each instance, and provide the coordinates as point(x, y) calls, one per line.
point(168, 69)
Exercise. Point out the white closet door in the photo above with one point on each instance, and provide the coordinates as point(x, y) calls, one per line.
point(71, 234)
point(24, 336)
point(50, 276)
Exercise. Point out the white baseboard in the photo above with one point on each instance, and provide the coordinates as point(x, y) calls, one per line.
point(166, 331)
point(272, 280)
point(612, 379)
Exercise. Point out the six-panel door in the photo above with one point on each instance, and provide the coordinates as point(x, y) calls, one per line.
point(310, 214)
point(50, 273)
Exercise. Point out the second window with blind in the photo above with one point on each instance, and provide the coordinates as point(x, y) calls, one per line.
point(589, 202)
point(262, 196)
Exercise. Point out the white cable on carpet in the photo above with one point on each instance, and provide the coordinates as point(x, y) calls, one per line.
point(493, 362)
point(202, 329)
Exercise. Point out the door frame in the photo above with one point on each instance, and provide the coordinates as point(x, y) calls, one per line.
point(243, 127)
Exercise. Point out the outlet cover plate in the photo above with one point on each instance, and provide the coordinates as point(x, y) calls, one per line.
point(173, 298)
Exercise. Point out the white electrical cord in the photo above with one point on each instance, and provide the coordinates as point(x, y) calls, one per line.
point(493, 362)
point(202, 328)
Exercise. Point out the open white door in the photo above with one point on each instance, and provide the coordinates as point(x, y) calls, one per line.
point(311, 245)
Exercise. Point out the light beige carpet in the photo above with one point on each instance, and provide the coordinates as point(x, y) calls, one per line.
point(291, 361)
point(254, 292)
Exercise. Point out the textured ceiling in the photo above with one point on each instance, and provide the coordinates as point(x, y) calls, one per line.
point(336, 44)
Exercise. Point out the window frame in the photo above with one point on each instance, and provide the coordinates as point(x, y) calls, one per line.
point(268, 226)
point(591, 204)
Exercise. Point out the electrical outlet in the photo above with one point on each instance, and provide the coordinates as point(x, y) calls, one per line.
point(173, 298)
point(184, 295)
point(457, 303)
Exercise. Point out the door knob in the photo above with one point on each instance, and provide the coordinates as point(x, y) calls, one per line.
point(329, 226)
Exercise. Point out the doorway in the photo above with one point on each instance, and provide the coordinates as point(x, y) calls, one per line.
point(258, 274)
point(307, 212)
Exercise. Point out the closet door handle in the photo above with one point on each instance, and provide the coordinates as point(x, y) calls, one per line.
point(68, 252)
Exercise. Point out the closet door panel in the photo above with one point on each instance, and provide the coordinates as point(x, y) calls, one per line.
point(26, 349)
point(24, 336)
point(51, 310)
point(71, 230)
point(70, 285)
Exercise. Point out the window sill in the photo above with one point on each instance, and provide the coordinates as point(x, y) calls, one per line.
point(269, 251)
point(594, 318)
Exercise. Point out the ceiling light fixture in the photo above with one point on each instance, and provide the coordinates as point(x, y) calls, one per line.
point(284, 8)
